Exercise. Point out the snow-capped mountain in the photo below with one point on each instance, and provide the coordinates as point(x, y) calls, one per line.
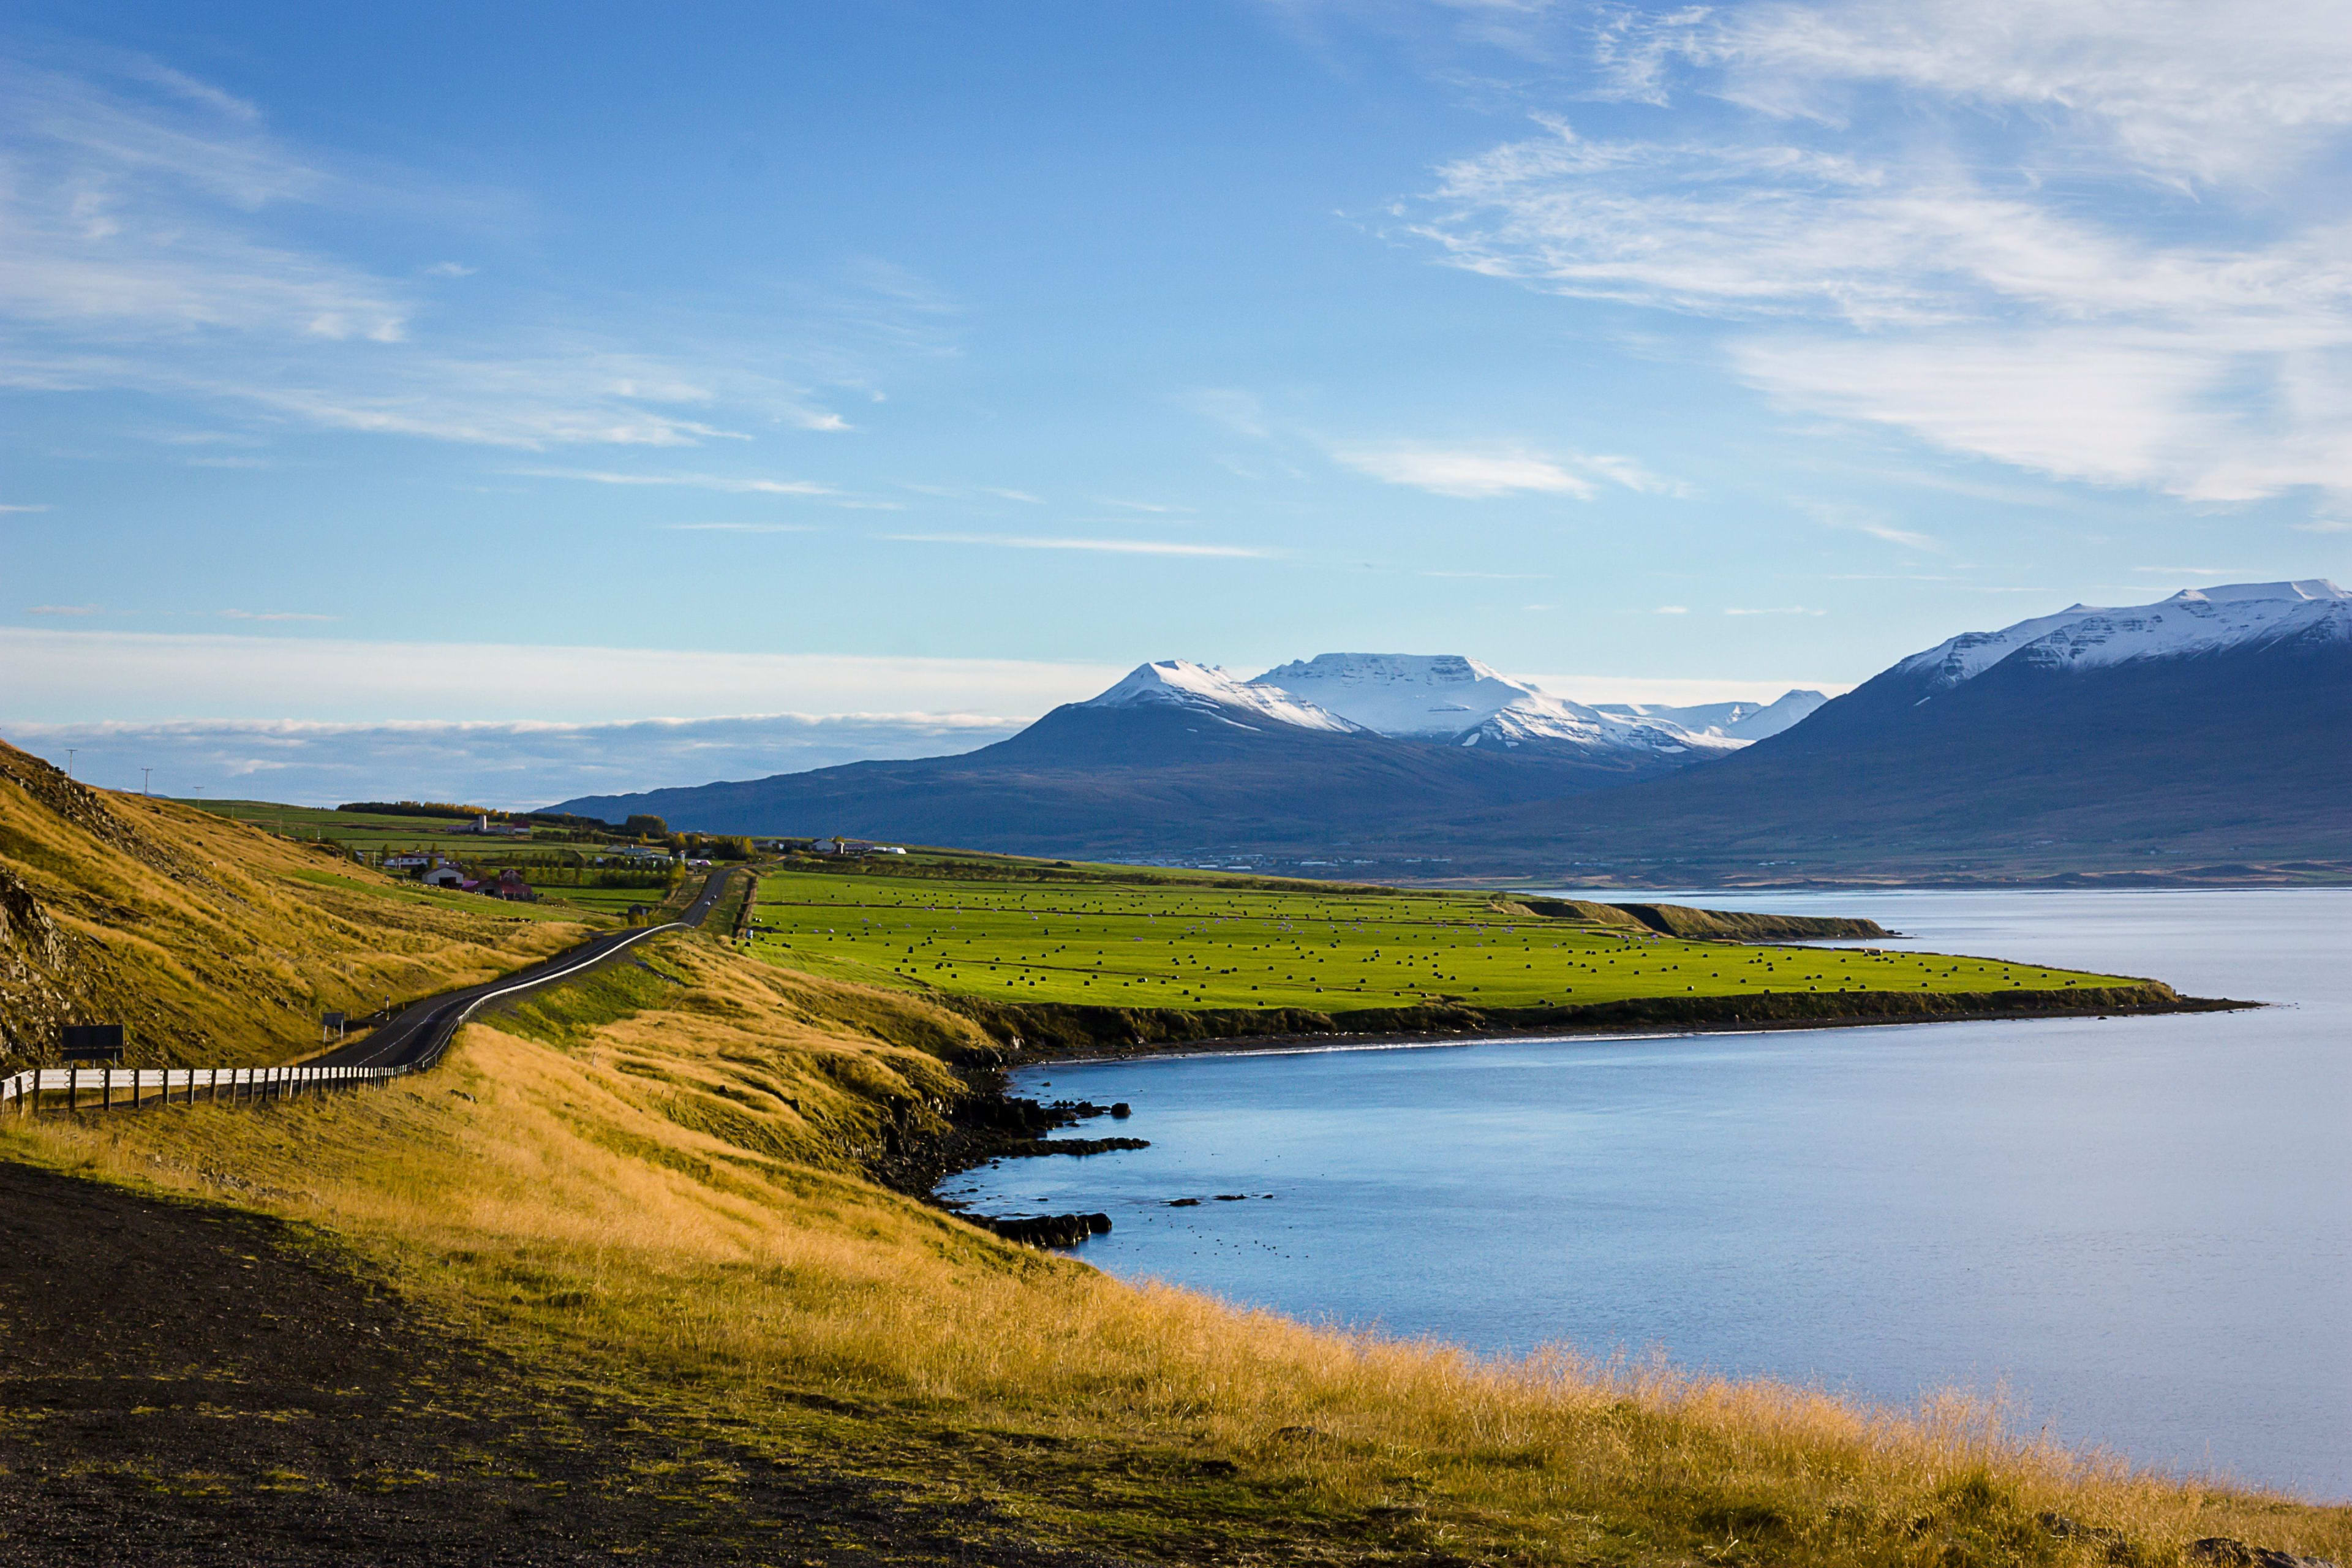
point(1199, 688)
point(2193, 621)
point(1448, 698)
point(1732, 720)
point(2212, 729)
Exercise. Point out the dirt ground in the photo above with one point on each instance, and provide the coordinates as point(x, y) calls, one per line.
point(191, 1385)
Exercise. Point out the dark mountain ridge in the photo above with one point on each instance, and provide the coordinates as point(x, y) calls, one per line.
point(1092, 780)
point(2214, 728)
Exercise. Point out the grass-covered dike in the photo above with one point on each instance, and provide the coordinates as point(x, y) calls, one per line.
point(639, 1274)
point(1068, 959)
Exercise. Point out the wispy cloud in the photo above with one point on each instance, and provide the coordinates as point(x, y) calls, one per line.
point(738, 528)
point(727, 484)
point(1670, 610)
point(1481, 473)
point(2323, 525)
point(275, 615)
point(159, 238)
point(43, 507)
point(2033, 288)
point(1902, 536)
point(1778, 610)
point(1492, 576)
point(519, 764)
point(1107, 546)
point(55, 675)
point(63, 609)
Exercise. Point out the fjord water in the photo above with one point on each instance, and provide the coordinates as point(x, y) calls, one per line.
point(2140, 1227)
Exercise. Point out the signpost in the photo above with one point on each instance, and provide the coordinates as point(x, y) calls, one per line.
point(90, 1043)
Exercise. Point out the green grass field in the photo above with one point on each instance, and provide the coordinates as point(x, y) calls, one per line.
point(378, 833)
point(1204, 943)
point(604, 900)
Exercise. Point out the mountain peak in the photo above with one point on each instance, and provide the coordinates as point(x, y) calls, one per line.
point(1181, 683)
point(2193, 621)
point(2305, 589)
point(1419, 694)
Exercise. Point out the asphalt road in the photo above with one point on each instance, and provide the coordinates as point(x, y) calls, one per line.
point(422, 1029)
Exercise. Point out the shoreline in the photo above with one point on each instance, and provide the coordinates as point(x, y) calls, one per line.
point(1249, 1045)
point(1031, 1032)
point(991, 1123)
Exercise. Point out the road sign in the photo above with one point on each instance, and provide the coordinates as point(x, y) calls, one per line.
point(331, 1023)
point(90, 1043)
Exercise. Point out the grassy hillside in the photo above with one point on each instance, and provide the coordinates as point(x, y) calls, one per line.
point(215, 942)
point(1202, 941)
point(631, 1274)
point(648, 1193)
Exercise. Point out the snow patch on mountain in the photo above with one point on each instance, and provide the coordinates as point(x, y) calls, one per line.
point(1181, 683)
point(1426, 696)
point(1730, 721)
point(2193, 621)
point(1445, 697)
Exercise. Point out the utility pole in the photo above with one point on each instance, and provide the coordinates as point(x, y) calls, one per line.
point(70, 757)
point(144, 773)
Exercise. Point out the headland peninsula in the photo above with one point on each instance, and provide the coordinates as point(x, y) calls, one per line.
point(647, 1266)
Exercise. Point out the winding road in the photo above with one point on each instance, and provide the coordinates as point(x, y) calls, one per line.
point(421, 1031)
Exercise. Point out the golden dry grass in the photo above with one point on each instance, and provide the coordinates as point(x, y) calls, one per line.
point(213, 941)
point(654, 1178)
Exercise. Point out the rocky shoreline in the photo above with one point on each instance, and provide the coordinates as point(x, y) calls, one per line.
point(1037, 1032)
point(990, 1123)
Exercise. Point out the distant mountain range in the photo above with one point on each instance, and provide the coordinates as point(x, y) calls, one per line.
point(2213, 727)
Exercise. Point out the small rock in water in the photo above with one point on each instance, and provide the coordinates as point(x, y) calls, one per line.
point(1121, 1111)
point(1183, 1203)
point(1232, 1197)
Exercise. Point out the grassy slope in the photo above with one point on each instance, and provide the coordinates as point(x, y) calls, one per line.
point(1206, 943)
point(654, 1182)
point(213, 941)
point(650, 1182)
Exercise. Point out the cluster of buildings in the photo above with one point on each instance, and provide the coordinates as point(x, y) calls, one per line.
point(853, 846)
point(434, 871)
point(489, 829)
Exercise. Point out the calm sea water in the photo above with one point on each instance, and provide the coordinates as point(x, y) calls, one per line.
point(2141, 1226)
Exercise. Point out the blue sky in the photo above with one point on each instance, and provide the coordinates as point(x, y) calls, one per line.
point(886, 374)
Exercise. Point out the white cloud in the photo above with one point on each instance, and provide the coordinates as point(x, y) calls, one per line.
point(63, 610)
point(2323, 525)
point(1966, 219)
point(274, 615)
point(154, 236)
point(1676, 692)
point(724, 483)
point(1106, 546)
point(738, 528)
point(1483, 472)
point(1778, 610)
point(1670, 610)
point(495, 764)
point(1902, 536)
point(59, 677)
point(41, 508)
point(2180, 89)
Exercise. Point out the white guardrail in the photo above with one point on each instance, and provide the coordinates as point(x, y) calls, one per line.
point(95, 1088)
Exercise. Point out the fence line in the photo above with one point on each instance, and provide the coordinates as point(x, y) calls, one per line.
point(22, 1091)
